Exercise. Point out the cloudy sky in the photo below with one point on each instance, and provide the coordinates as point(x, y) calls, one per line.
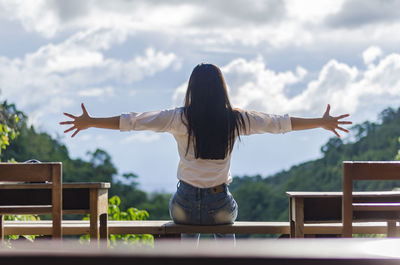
point(277, 56)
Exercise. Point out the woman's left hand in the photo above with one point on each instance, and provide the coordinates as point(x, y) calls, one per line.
point(332, 124)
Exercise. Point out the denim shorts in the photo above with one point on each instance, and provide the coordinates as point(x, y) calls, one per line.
point(202, 206)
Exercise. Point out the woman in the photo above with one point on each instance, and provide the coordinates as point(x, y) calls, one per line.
point(205, 129)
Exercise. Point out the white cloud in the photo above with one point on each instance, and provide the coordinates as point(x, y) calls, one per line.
point(48, 80)
point(251, 83)
point(371, 54)
point(33, 15)
point(97, 92)
point(335, 85)
point(211, 24)
point(179, 95)
point(312, 10)
point(347, 88)
point(359, 13)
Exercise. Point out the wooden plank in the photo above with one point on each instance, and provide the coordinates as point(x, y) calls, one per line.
point(45, 227)
point(102, 201)
point(334, 194)
point(56, 198)
point(69, 185)
point(291, 218)
point(376, 206)
point(103, 227)
point(391, 229)
point(336, 228)
point(26, 209)
point(79, 227)
point(2, 231)
point(299, 217)
point(23, 186)
point(151, 227)
point(94, 216)
point(26, 172)
point(347, 200)
point(78, 211)
point(102, 195)
point(236, 228)
point(374, 170)
point(87, 185)
point(137, 227)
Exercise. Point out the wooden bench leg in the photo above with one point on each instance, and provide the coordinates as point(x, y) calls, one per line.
point(391, 229)
point(299, 217)
point(98, 213)
point(103, 231)
point(94, 217)
point(291, 216)
point(103, 227)
point(292, 229)
point(1, 228)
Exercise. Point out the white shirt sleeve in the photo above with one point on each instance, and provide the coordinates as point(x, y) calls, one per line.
point(258, 122)
point(157, 121)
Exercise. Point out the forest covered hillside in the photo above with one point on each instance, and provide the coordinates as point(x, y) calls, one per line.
point(258, 197)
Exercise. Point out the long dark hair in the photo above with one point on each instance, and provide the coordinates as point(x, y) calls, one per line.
point(210, 120)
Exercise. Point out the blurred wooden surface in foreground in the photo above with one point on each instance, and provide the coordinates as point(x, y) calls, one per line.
point(272, 251)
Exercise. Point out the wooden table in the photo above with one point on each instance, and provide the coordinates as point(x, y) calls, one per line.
point(78, 198)
point(326, 207)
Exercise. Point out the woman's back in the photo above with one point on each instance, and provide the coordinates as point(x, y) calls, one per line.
point(200, 172)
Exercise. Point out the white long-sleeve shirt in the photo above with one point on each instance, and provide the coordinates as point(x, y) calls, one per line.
point(202, 173)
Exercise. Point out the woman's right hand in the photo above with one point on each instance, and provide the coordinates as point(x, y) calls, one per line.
point(79, 123)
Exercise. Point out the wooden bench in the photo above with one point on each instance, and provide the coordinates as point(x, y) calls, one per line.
point(50, 174)
point(77, 198)
point(383, 209)
point(166, 229)
point(318, 209)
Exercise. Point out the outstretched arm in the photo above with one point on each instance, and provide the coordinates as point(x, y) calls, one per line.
point(85, 121)
point(327, 122)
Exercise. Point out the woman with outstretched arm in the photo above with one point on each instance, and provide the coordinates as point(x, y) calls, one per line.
point(205, 129)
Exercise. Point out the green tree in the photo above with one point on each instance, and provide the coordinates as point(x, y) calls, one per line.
point(9, 126)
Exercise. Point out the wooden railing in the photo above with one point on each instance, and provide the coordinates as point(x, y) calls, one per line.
point(165, 229)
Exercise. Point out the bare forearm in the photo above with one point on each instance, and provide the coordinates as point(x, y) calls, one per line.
point(327, 122)
point(105, 123)
point(305, 124)
point(85, 121)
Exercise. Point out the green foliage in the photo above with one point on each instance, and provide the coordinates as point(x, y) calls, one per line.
point(131, 214)
point(397, 157)
point(158, 205)
point(21, 218)
point(9, 118)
